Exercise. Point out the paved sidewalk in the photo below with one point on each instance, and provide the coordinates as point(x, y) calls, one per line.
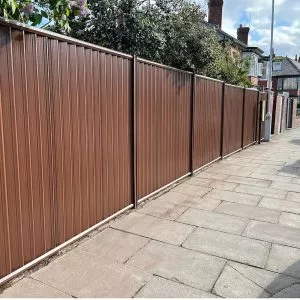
point(233, 230)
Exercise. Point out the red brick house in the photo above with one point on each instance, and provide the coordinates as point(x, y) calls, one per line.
point(238, 46)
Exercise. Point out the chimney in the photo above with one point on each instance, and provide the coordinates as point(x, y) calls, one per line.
point(243, 34)
point(215, 12)
point(296, 57)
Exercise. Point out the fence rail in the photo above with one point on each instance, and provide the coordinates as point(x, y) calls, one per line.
point(87, 132)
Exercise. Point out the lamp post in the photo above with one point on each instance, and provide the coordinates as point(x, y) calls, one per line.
point(268, 122)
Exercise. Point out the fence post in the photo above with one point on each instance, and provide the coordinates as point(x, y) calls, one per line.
point(222, 120)
point(133, 132)
point(243, 116)
point(192, 112)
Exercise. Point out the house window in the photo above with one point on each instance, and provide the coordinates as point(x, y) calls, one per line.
point(290, 83)
point(298, 106)
point(280, 84)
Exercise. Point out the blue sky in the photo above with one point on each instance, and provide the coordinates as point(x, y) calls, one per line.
point(257, 14)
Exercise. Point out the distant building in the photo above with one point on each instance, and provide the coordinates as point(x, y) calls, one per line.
point(238, 46)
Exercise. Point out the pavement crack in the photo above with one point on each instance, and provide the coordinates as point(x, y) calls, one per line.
point(249, 278)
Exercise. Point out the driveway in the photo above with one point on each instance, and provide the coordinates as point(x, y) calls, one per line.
point(232, 230)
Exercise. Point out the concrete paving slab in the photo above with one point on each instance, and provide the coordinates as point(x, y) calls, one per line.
point(270, 177)
point(290, 187)
point(201, 203)
point(30, 288)
point(273, 233)
point(165, 207)
point(159, 287)
point(227, 171)
point(289, 292)
point(184, 266)
point(296, 180)
point(284, 260)
point(207, 175)
point(212, 220)
point(249, 181)
point(247, 211)
point(234, 197)
point(280, 205)
point(292, 196)
point(191, 190)
point(109, 242)
point(268, 162)
point(86, 275)
point(229, 246)
point(269, 281)
point(232, 284)
point(288, 219)
point(154, 228)
point(261, 191)
point(212, 183)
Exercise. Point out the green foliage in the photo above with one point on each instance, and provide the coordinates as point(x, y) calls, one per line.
point(233, 70)
point(33, 11)
point(171, 32)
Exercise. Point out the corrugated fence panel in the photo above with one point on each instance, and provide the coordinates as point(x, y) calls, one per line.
point(207, 121)
point(65, 161)
point(162, 124)
point(233, 119)
point(250, 117)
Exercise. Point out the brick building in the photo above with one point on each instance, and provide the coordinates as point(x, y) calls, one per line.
point(238, 46)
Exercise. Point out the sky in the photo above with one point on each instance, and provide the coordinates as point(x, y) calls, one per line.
point(257, 14)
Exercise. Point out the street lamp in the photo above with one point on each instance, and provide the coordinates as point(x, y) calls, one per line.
point(268, 122)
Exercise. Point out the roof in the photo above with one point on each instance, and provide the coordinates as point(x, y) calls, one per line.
point(225, 34)
point(289, 68)
point(234, 40)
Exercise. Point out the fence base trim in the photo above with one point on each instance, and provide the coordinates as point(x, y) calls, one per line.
point(207, 165)
point(163, 188)
point(60, 247)
point(234, 152)
point(251, 144)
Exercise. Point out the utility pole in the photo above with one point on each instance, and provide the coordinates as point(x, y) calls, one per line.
point(268, 123)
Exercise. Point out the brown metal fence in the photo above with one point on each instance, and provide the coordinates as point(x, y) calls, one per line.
point(233, 119)
point(207, 122)
point(162, 124)
point(86, 132)
point(251, 106)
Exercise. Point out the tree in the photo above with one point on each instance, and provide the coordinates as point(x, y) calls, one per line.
point(167, 31)
point(171, 32)
point(33, 11)
point(233, 70)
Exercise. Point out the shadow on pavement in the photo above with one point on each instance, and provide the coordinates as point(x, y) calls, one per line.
point(285, 288)
point(293, 169)
point(295, 142)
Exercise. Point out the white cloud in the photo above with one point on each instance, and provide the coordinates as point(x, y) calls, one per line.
point(258, 14)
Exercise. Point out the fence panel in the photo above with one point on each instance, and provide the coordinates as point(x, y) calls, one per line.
point(250, 117)
point(207, 121)
point(162, 124)
point(65, 142)
point(233, 119)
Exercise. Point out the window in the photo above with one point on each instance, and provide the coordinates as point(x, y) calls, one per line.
point(280, 84)
point(290, 83)
point(298, 107)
